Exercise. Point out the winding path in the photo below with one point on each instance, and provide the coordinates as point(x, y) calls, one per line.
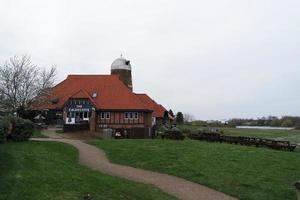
point(96, 159)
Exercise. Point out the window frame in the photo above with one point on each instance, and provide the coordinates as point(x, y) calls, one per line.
point(85, 115)
point(126, 114)
point(104, 115)
point(131, 115)
point(136, 115)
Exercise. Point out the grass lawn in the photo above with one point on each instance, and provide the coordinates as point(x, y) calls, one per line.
point(290, 135)
point(38, 134)
point(244, 172)
point(50, 170)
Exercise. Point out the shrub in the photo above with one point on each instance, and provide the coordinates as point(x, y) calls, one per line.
point(162, 129)
point(2, 133)
point(4, 129)
point(174, 135)
point(185, 130)
point(22, 129)
point(15, 129)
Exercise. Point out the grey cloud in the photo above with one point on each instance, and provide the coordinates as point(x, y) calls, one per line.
point(215, 59)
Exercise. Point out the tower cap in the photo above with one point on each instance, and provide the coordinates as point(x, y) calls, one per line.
point(121, 63)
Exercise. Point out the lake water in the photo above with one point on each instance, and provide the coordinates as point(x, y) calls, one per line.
point(266, 127)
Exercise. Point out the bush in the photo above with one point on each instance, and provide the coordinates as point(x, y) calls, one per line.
point(2, 133)
point(185, 130)
point(162, 129)
point(4, 129)
point(22, 129)
point(174, 135)
point(297, 128)
point(15, 129)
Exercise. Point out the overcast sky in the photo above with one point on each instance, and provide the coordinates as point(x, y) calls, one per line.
point(214, 59)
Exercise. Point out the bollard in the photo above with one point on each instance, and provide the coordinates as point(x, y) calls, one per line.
point(297, 185)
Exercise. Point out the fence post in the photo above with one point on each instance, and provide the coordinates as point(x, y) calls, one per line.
point(297, 185)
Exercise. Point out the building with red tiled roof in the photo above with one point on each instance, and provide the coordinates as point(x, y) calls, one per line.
point(101, 102)
point(159, 112)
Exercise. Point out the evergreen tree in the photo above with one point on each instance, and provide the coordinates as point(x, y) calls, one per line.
point(179, 118)
point(171, 113)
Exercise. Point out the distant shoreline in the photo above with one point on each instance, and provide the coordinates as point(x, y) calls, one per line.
point(265, 127)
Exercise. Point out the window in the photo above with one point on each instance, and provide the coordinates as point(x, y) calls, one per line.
point(85, 115)
point(131, 115)
point(105, 115)
point(126, 115)
point(70, 114)
point(94, 94)
point(136, 115)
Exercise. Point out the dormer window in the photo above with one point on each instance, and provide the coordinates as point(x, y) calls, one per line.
point(94, 94)
point(54, 100)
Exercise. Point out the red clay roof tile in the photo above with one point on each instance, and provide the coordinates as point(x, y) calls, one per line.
point(112, 93)
point(158, 110)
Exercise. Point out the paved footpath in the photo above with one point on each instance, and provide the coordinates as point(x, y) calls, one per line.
point(96, 159)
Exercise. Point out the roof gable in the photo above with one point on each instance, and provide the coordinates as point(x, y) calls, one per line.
point(81, 94)
point(158, 110)
point(112, 93)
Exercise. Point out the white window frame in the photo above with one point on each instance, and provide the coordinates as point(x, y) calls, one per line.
point(105, 115)
point(131, 115)
point(126, 115)
point(136, 115)
point(85, 114)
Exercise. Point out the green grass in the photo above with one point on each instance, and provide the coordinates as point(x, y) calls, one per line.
point(290, 135)
point(50, 171)
point(59, 131)
point(38, 134)
point(244, 172)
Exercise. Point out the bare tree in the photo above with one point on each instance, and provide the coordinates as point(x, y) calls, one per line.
point(188, 117)
point(22, 82)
